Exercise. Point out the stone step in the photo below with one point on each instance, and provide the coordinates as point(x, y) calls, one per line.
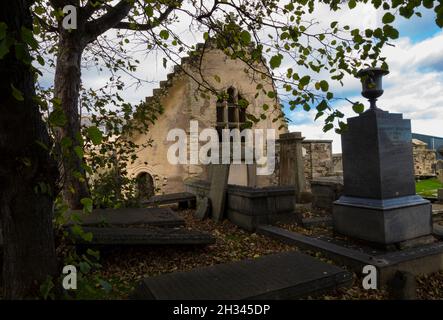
point(142, 236)
point(286, 275)
point(157, 91)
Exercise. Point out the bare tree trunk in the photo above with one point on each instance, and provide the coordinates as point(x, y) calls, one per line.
point(66, 89)
point(27, 173)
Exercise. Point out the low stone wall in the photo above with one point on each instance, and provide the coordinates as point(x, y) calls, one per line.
point(424, 159)
point(249, 207)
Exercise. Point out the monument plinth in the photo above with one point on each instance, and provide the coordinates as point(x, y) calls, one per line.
point(379, 202)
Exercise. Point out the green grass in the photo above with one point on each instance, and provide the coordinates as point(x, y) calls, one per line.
point(428, 187)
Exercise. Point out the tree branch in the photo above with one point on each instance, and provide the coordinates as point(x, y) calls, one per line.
point(147, 26)
point(107, 21)
point(47, 26)
point(90, 7)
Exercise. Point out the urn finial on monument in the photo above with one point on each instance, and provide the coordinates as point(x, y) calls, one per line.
point(372, 86)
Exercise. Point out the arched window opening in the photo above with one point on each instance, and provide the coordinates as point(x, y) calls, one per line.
point(145, 186)
point(231, 111)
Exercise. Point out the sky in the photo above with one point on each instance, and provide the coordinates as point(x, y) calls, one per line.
point(414, 86)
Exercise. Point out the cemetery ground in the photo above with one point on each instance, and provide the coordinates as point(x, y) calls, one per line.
point(124, 267)
point(428, 187)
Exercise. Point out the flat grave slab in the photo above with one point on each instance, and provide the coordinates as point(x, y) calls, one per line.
point(280, 276)
point(185, 199)
point(422, 259)
point(163, 217)
point(142, 236)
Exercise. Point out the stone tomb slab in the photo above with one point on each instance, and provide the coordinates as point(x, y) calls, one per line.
point(280, 276)
point(162, 217)
point(143, 236)
point(185, 199)
point(422, 259)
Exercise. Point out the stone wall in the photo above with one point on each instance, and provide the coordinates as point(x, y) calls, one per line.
point(337, 164)
point(424, 159)
point(317, 156)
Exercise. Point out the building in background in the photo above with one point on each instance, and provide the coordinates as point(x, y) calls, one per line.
point(434, 143)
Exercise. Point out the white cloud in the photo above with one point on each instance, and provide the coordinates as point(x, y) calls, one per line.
point(412, 88)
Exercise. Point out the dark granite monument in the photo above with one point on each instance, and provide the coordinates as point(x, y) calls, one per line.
point(379, 202)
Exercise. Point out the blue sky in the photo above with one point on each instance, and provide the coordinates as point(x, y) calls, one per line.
point(414, 87)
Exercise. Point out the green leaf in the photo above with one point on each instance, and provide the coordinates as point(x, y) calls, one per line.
point(149, 11)
point(304, 81)
point(429, 4)
point(164, 34)
point(388, 18)
point(390, 32)
point(3, 28)
point(40, 60)
point(275, 61)
point(84, 267)
point(352, 4)
point(28, 37)
point(57, 118)
point(245, 37)
point(87, 204)
point(358, 107)
point(322, 106)
point(328, 127)
point(17, 94)
point(95, 135)
point(93, 253)
point(324, 85)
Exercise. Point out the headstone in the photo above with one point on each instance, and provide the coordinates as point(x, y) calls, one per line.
point(285, 275)
point(203, 208)
point(291, 165)
point(439, 165)
point(440, 195)
point(217, 192)
point(379, 202)
point(440, 175)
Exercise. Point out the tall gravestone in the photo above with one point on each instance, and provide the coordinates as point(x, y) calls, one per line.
point(291, 170)
point(379, 202)
point(217, 192)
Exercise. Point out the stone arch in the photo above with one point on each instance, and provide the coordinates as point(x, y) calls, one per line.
point(148, 172)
